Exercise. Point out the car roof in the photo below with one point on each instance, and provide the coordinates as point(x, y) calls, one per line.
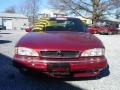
point(61, 18)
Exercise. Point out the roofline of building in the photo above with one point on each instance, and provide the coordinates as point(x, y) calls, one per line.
point(16, 15)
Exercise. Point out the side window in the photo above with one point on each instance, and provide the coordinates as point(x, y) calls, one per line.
point(70, 24)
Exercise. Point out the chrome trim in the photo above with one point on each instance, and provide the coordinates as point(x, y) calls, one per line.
point(46, 61)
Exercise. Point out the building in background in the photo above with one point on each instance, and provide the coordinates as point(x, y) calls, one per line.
point(52, 13)
point(13, 21)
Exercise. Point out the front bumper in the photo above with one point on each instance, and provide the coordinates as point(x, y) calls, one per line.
point(82, 67)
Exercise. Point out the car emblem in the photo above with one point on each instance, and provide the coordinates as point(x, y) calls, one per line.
point(59, 53)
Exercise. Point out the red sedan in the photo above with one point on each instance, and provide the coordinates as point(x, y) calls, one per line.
point(103, 30)
point(61, 49)
point(108, 30)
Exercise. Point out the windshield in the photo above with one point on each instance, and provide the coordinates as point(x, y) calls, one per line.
point(59, 24)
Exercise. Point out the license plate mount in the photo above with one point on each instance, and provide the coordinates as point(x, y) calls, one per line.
point(58, 67)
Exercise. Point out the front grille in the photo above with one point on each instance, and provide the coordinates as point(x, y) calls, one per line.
point(59, 54)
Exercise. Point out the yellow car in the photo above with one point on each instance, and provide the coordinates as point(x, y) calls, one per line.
point(45, 22)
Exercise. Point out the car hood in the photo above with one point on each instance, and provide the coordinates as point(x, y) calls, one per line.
point(60, 40)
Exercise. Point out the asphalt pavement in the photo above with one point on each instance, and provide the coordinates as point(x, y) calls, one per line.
point(11, 79)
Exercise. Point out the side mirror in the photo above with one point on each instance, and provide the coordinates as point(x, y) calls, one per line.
point(28, 29)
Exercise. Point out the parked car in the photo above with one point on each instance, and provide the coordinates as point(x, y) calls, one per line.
point(107, 30)
point(93, 30)
point(103, 30)
point(61, 49)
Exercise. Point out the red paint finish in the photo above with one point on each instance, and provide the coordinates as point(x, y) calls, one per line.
point(107, 30)
point(93, 30)
point(61, 40)
point(28, 29)
point(103, 30)
point(79, 67)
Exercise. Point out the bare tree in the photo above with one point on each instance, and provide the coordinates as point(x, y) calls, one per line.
point(10, 10)
point(116, 4)
point(91, 9)
point(30, 8)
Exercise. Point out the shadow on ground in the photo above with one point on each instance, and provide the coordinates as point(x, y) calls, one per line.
point(11, 79)
point(5, 41)
point(5, 33)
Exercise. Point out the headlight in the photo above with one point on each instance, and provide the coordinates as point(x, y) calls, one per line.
point(25, 51)
point(94, 52)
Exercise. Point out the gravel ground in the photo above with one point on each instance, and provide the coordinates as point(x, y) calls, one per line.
point(11, 79)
